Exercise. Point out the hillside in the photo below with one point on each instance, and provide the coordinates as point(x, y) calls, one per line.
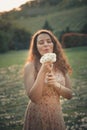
point(66, 13)
point(74, 18)
point(35, 8)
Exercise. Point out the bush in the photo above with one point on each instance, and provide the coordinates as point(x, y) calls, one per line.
point(74, 40)
point(20, 39)
point(84, 29)
point(12, 38)
point(4, 40)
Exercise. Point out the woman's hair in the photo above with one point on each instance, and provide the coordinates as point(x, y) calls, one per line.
point(34, 55)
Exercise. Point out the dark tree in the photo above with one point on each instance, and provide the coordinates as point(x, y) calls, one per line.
point(21, 39)
point(4, 41)
point(84, 29)
point(47, 26)
point(54, 2)
point(12, 38)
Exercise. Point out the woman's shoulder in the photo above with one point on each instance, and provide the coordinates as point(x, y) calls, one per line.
point(29, 66)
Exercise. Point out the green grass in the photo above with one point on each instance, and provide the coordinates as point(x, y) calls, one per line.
point(13, 58)
point(13, 99)
point(77, 57)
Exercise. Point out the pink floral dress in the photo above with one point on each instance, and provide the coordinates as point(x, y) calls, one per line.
point(47, 113)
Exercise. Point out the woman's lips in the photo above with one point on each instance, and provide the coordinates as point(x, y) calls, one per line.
point(46, 50)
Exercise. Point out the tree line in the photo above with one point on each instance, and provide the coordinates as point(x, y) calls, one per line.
point(69, 3)
point(13, 38)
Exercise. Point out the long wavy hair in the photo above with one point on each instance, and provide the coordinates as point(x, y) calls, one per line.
point(34, 55)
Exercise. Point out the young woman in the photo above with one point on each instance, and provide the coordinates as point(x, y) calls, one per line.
point(44, 85)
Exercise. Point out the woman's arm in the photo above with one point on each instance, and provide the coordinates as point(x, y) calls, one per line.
point(34, 87)
point(64, 91)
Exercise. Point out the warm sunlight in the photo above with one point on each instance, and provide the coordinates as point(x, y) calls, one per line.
point(7, 5)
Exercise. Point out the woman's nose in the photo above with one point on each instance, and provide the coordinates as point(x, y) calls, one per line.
point(45, 43)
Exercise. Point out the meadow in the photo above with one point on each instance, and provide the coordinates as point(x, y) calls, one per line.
point(13, 99)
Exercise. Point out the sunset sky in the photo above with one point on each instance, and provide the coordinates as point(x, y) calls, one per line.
point(7, 5)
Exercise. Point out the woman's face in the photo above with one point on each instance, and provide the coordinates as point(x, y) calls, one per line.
point(44, 44)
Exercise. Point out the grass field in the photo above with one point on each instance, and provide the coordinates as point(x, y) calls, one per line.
point(13, 99)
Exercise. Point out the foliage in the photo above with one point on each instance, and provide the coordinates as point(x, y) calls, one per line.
point(47, 26)
point(69, 38)
point(67, 30)
point(54, 2)
point(12, 37)
point(75, 41)
point(20, 39)
point(67, 3)
point(36, 8)
point(84, 29)
point(5, 35)
point(3, 42)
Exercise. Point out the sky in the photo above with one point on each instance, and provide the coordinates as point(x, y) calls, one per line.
point(7, 5)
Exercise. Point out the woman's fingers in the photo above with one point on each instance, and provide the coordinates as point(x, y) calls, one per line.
point(50, 78)
point(48, 66)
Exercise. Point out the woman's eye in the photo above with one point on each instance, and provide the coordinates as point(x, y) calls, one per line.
point(41, 42)
point(49, 41)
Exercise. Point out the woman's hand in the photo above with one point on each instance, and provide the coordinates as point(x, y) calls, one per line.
point(47, 67)
point(51, 79)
